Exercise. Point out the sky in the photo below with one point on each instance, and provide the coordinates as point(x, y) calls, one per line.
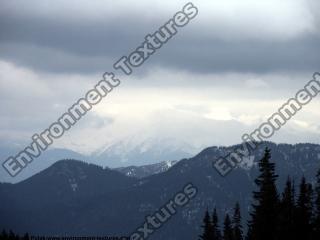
point(221, 76)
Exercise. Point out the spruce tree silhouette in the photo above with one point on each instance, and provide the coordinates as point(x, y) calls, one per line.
point(227, 229)
point(263, 222)
point(207, 227)
point(26, 237)
point(286, 225)
point(4, 235)
point(316, 223)
point(236, 223)
point(271, 218)
point(304, 212)
point(215, 226)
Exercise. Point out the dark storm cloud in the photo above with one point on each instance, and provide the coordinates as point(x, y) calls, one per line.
point(49, 44)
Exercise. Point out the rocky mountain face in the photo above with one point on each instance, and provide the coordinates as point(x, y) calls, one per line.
point(76, 198)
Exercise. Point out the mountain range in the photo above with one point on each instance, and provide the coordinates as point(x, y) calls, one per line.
point(76, 198)
point(130, 151)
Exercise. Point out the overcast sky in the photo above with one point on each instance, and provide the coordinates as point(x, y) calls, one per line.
point(223, 74)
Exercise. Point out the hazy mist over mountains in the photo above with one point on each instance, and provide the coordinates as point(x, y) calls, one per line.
point(132, 151)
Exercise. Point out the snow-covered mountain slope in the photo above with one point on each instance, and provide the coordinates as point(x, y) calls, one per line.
point(146, 170)
point(139, 151)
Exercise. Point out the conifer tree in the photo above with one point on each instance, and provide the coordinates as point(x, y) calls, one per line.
point(12, 236)
point(215, 226)
point(227, 229)
point(266, 202)
point(26, 236)
point(271, 218)
point(236, 223)
point(316, 223)
point(4, 234)
point(303, 214)
point(207, 227)
point(286, 212)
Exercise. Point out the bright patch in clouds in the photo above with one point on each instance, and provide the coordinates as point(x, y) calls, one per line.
point(219, 113)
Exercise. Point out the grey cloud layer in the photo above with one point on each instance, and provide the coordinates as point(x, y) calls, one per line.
point(68, 43)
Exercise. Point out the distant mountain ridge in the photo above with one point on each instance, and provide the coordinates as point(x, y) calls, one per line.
point(76, 198)
point(45, 160)
point(122, 153)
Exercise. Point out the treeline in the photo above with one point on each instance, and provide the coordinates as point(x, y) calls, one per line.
point(12, 236)
point(274, 216)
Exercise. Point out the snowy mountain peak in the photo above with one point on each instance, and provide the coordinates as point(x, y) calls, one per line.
point(144, 151)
